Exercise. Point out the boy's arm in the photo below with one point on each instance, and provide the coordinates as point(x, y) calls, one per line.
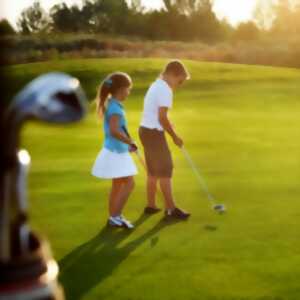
point(165, 123)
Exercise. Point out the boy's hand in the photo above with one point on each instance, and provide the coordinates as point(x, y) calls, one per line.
point(178, 141)
point(133, 147)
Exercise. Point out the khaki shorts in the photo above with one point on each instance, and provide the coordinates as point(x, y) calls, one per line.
point(157, 153)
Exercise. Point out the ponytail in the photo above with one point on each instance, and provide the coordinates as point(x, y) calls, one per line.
point(103, 93)
point(109, 86)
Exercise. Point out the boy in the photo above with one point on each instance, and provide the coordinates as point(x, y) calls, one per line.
point(154, 124)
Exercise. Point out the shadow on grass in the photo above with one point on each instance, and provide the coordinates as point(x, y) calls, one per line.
point(90, 263)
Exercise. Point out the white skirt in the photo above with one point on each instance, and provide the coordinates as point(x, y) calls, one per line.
point(110, 165)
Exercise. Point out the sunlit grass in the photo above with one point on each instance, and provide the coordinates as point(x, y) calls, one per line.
point(241, 126)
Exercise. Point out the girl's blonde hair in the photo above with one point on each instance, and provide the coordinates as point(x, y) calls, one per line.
point(110, 85)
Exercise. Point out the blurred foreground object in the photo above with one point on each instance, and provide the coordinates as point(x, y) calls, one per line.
point(27, 269)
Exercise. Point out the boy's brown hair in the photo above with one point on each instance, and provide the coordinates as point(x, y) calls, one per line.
point(177, 68)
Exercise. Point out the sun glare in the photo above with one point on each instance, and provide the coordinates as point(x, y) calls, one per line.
point(235, 11)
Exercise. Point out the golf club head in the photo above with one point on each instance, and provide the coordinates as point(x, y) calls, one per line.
point(53, 98)
point(219, 208)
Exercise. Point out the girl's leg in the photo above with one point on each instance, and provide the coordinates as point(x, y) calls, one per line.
point(151, 191)
point(127, 188)
point(114, 197)
point(166, 188)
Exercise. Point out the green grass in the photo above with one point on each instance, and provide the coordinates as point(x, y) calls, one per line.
point(241, 126)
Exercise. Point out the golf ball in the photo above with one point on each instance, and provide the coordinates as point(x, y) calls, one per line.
point(220, 208)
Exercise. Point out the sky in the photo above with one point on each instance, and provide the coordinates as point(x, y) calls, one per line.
point(235, 11)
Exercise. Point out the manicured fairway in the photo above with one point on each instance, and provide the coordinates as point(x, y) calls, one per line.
point(241, 124)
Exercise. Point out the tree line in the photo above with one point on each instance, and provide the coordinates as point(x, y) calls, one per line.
point(184, 20)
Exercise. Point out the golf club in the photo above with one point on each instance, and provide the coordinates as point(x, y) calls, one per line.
point(220, 208)
point(52, 98)
point(137, 152)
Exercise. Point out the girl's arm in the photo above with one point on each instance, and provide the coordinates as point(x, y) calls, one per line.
point(116, 133)
point(165, 123)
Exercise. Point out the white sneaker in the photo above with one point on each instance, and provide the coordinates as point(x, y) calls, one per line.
point(125, 222)
point(115, 222)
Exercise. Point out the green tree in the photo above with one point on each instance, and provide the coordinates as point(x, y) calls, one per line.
point(280, 18)
point(110, 16)
point(264, 14)
point(204, 23)
point(71, 19)
point(6, 28)
point(283, 22)
point(34, 19)
point(246, 32)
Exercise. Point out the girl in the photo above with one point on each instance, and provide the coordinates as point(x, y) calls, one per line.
point(114, 161)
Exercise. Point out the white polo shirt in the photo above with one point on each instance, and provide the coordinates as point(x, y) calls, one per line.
point(158, 95)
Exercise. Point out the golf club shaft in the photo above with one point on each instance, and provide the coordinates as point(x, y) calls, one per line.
point(198, 175)
point(138, 154)
point(5, 250)
point(141, 159)
point(24, 230)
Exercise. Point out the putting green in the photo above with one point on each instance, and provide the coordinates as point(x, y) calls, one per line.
point(241, 126)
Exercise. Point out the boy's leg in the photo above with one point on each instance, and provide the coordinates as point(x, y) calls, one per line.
point(171, 210)
point(151, 191)
point(166, 188)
